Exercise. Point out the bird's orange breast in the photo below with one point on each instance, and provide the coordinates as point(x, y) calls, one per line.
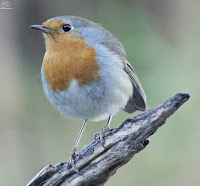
point(69, 57)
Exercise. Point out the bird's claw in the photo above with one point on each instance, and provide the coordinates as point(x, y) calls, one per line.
point(71, 163)
point(97, 135)
point(101, 134)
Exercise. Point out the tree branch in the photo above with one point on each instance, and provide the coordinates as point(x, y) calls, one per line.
point(96, 163)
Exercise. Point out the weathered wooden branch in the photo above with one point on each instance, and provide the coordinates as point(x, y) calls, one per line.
point(97, 164)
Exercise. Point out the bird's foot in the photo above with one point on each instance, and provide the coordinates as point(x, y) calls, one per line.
point(70, 162)
point(100, 135)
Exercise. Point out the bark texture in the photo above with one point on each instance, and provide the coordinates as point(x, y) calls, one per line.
point(96, 163)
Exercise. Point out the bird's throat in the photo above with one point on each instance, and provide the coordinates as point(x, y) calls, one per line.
point(69, 59)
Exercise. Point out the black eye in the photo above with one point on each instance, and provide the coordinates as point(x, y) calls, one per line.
point(67, 27)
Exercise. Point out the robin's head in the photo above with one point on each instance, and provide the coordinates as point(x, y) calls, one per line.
point(72, 29)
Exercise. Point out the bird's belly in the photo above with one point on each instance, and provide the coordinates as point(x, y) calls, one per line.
point(93, 102)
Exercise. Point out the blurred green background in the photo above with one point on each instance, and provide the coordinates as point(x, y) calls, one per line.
point(161, 39)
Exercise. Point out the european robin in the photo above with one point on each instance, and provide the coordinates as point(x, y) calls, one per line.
point(85, 73)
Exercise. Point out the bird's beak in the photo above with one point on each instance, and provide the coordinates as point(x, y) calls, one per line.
point(42, 28)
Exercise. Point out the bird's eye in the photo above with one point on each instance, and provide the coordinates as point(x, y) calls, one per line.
point(67, 27)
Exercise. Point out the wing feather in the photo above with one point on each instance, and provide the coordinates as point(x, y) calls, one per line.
point(138, 99)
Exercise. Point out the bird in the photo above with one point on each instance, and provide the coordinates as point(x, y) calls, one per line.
point(85, 73)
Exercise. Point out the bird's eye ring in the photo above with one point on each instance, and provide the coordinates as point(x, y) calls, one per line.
point(66, 27)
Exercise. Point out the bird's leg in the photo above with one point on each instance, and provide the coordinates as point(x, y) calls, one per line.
point(74, 149)
point(104, 130)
